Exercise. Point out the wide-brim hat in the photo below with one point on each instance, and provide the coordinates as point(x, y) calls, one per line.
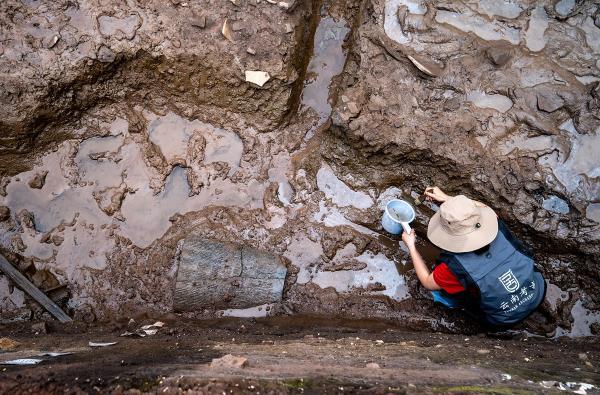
point(462, 225)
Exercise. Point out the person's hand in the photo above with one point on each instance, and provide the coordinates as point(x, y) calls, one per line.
point(409, 238)
point(435, 193)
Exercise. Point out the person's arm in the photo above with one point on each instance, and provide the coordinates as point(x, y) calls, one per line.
point(435, 193)
point(423, 274)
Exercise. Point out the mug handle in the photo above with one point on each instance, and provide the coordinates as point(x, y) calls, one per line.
point(406, 227)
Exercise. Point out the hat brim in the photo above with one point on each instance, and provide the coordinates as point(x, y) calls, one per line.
point(464, 243)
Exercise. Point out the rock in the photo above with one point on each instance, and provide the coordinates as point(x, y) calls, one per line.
point(427, 66)
point(257, 77)
point(8, 344)
point(401, 14)
point(38, 181)
point(288, 6)
point(51, 41)
point(226, 31)
point(105, 55)
point(483, 351)
point(57, 240)
point(353, 108)
point(499, 56)
point(289, 28)
point(556, 205)
point(229, 361)
point(213, 274)
point(372, 365)
point(251, 51)
point(549, 101)
point(39, 327)
point(199, 21)
point(583, 356)
point(4, 213)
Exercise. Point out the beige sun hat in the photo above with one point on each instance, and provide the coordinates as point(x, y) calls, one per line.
point(462, 225)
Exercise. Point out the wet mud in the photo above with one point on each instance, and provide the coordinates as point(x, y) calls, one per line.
point(126, 128)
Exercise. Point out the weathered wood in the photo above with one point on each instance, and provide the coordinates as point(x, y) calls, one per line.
point(214, 274)
point(26, 285)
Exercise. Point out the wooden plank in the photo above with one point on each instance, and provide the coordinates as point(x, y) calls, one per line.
point(26, 285)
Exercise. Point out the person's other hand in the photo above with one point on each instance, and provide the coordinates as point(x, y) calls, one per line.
point(435, 193)
point(409, 238)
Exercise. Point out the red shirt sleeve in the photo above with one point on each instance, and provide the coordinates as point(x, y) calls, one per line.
point(446, 279)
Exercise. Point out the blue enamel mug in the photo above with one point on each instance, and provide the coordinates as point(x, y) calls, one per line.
point(397, 216)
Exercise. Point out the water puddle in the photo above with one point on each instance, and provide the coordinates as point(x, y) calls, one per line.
point(304, 253)
point(581, 169)
point(483, 100)
point(332, 217)
point(340, 193)
point(379, 270)
point(327, 61)
point(392, 26)
point(501, 8)
point(490, 31)
point(173, 135)
point(582, 320)
point(538, 23)
point(281, 165)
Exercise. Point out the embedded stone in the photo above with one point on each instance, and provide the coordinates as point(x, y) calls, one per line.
point(498, 56)
point(549, 101)
point(226, 275)
point(38, 181)
point(556, 205)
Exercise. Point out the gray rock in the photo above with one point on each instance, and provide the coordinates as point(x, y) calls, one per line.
point(199, 21)
point(105, 55)
point(4, 213)
point(38, 181)
point(213, 274)
point(564, 7)
point(549, 101)
point(556, 205)
point(229, 361)
point(498, 56)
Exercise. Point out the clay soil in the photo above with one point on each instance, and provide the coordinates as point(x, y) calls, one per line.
point(292, 355)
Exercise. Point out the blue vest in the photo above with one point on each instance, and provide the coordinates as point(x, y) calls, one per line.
point(509, 286)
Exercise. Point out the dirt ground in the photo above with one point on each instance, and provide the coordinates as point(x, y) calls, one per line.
point(292, 355)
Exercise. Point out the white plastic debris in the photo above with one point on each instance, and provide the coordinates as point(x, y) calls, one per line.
point(505, 376)
point(22, 361)
point(94, 344)
point(257, 77)
point(157, 324)
point(55, 354)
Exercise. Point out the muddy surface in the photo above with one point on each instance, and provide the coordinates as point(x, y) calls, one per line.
point(299, 355)
point(127, 127)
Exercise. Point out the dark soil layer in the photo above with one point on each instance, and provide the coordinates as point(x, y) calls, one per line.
point(292, 355)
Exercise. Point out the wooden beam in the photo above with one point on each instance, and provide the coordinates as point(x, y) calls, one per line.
point(26, 285)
